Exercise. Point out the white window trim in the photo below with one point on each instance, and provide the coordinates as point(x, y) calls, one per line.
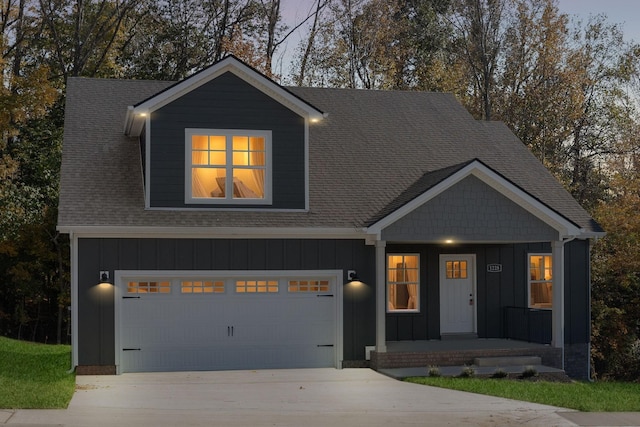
point(529, 281)
point(268, 195)
point(387, 284)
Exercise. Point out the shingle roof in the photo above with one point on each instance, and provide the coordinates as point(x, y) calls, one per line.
point(371, 154)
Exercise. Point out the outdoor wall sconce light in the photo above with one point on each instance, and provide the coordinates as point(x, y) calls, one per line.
point(352, 276)
point(104, 278)
point(357, 288)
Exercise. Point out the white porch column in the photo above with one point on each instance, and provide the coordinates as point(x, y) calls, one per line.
point(381, 297)
point(557, 315)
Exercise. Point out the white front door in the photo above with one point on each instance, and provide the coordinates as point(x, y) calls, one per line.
point(457, 294)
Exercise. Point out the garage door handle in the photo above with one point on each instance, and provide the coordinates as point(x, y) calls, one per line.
point(330, 296)
point(131, 349)
point(325, 345)
point(130, 297)
point(229, 331)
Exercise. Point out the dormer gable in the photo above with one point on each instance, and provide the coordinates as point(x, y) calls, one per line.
point(225, 138)
point(137, 114)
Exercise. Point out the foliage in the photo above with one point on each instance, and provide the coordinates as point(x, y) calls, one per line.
point(434, 371)
point(172, 39)
point(499, 373)
point(529, 372)
point(31, 124)
point(396, 53)
point(34, 273)
point(35, 376)
point(616, 275)
point(587, 397)
point(467, 372)
point(479, 26)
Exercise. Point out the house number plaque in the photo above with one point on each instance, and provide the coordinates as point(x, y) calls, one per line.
point(494, 268)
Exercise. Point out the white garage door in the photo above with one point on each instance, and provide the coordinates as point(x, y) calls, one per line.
point(216, 323)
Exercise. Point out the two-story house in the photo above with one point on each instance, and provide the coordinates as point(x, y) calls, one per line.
point(239, 224)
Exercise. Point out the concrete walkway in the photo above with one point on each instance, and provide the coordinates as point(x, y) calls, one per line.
point(295, 397)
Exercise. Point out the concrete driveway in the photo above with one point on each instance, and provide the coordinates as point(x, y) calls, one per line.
point(294, 397)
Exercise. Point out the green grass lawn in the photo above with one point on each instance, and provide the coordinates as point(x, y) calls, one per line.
point(587, 397)
point(34, 376)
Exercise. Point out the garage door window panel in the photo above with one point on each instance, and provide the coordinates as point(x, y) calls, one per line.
point(202, 287)
point(256, 286)
point(309, 286)
point(150, 287)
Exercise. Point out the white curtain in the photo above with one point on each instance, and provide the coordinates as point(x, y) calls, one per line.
point(198, 181)
point(412, 288)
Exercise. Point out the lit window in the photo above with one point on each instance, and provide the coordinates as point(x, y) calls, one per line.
point(150, 287)
point(540, 281)
point(457, 270)
point(309, 286)
point(403, 285)
point(227, 166)
point(256, 286)
point(202, 287)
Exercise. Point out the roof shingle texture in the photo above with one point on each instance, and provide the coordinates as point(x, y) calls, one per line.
point(375, 151)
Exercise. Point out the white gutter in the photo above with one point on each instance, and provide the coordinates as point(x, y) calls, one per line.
point(215, 232)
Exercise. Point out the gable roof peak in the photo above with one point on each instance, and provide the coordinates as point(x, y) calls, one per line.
point(138, 113)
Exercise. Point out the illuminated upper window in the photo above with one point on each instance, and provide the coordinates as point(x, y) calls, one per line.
point(540, 281)
point(228, 166)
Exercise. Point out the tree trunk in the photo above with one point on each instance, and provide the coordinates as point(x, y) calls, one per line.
point(309, 47)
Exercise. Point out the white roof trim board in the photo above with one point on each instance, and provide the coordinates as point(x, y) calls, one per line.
point(137, 114)
point(214, 232)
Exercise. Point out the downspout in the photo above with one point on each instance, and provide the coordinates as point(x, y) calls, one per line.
point(73, 254)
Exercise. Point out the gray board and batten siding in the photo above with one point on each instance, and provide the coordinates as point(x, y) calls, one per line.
point(226, 102)
point(496, 292)
point(96, 311)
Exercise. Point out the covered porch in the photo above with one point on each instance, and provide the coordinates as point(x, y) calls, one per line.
point(481, 224)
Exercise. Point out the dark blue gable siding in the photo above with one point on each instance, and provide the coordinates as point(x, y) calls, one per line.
point(226, 102)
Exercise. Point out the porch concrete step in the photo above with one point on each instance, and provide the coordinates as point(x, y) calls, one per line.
point(508, 361)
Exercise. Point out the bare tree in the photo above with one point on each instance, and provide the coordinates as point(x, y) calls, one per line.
point(479, 28)
point(83, 33)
